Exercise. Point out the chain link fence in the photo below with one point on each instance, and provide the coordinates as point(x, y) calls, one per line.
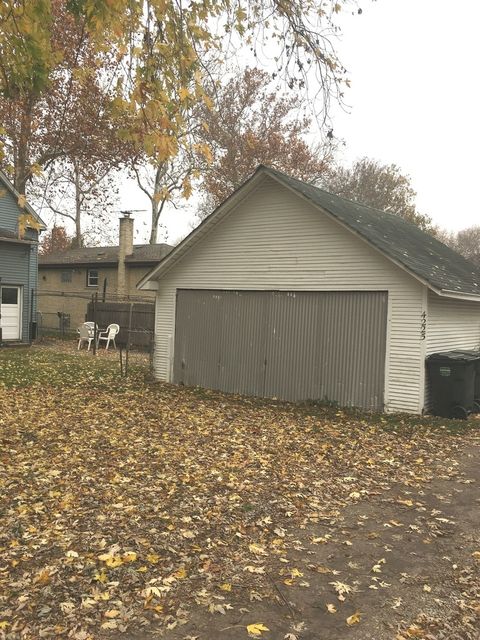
point(60, 315)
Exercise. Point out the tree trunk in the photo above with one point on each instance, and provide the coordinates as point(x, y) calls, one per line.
point(77, 240)
point(155, 201)
point(154, 228)
point(22, 169)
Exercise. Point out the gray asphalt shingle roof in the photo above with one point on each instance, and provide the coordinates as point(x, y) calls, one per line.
point(142, 254)
point(419, 252)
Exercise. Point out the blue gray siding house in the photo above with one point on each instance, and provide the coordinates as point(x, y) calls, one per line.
point(20, 227)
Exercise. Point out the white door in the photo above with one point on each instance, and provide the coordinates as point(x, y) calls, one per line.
point(10, 312)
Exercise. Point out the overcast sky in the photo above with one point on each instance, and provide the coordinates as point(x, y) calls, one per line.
point(414, 101)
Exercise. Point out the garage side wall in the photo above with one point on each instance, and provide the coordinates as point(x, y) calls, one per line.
point(274, 240)
point(451, 324)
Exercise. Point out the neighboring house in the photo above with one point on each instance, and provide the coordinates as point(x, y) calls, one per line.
point(68, 279)
point(290, 292)
point(19, 230)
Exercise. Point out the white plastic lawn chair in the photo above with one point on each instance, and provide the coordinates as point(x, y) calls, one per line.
point(86, 333)
point(88, 324)
point(108, 335)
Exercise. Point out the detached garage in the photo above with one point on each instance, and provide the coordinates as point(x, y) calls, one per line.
point(289, 292)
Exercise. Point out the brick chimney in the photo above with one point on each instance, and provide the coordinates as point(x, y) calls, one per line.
point(125, 248)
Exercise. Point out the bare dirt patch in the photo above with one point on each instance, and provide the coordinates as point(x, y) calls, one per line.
point(404, 564)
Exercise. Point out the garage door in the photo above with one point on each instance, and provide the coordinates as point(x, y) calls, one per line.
point(324, 346)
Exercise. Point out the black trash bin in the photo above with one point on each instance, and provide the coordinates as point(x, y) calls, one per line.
point(476, 390)
point(452, 383)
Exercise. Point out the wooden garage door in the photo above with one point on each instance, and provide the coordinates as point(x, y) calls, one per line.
point(324, 346)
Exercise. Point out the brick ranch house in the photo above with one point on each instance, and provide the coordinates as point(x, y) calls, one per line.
point(67, 280)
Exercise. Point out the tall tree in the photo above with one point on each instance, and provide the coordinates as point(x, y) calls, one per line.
point(54, 241)
point(466, 242)
point(377, 185)
point(168, 181)
point(51, 108)
point(59, 137)
point(158, 49)
point(254, 124)
point(78, 188)
point(161, 47)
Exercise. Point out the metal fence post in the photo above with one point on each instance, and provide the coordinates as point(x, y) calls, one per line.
point(128, 337)
point(151, 348)
point(121, 362)
point(95, 300)
point(32, 299)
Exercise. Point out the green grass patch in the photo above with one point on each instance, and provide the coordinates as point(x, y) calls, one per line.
point(37, 366)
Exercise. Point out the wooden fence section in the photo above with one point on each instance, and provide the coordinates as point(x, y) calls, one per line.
point(136, 320)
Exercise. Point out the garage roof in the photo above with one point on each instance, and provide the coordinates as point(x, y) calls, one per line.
point(440, 267)
point(418, 251)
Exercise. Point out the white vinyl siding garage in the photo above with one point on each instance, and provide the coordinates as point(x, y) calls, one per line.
point(275, 241)
point(452, 324)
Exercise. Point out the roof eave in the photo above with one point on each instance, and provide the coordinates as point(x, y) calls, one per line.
point(59, 265)
point(458, 295)
point(143, 263)
point(99, 263)
point(18, 241)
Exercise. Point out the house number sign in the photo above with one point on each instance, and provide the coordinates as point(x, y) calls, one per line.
point(423, 326)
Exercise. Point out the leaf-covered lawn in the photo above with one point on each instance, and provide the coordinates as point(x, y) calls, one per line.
point(129, 507)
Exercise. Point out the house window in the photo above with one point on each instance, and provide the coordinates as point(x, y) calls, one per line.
point(66, 276)
point(9, 295)
point(92, 278)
